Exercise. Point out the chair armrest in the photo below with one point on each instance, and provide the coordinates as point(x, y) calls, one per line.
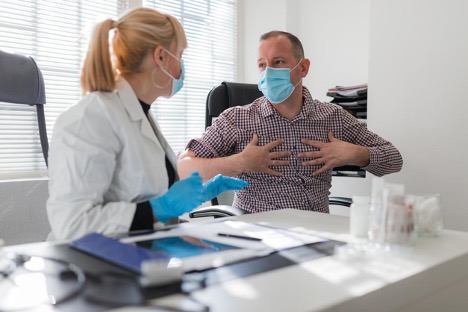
point(349, 171)
point(217, 211)
point(340, 201)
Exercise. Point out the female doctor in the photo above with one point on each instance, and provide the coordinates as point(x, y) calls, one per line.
point(110, 168)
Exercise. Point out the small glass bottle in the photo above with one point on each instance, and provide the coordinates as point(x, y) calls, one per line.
point(376, 217)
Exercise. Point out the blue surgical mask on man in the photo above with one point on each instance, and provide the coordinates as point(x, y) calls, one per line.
point(275, 83)
point(177, 84)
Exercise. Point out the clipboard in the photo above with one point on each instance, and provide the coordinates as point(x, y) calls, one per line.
point(112, 250)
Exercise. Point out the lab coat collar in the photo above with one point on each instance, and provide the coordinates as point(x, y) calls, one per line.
point(149, 126)
point(134, 110)
point(129, 100)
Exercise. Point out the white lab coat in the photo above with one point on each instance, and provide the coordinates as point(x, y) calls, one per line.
point(105, 157)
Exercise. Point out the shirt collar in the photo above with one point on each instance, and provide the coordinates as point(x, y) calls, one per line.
point(307, 108)
point(145, 106)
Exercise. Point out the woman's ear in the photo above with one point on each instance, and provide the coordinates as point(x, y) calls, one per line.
point(158, 55)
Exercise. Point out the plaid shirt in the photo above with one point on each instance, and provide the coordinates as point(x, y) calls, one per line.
point(296, 188)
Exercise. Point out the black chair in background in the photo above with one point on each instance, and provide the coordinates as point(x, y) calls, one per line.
point(230, 94)
point(23, 217)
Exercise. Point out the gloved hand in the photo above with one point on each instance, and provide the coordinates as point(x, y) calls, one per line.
point(183, 196)
point(220, 184)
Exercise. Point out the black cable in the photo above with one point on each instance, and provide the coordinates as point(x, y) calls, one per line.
point(91, 285)
point(65, 272)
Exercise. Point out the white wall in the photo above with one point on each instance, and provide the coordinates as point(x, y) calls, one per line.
point(257, 17)
point(414, 55)
point(334, 33)
point(418, 77)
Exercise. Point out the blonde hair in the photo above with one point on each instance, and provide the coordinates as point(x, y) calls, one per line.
point(136, 33)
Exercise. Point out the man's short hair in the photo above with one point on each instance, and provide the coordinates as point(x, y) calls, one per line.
point(297, 48)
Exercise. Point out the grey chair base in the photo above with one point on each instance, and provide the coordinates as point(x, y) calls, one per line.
point(218, 211)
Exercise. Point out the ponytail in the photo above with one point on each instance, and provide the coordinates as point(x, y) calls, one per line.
point(98, 73)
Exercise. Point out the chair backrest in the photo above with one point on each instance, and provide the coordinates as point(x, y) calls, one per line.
point(230, 94)
point(23, 216)
point(21, 82)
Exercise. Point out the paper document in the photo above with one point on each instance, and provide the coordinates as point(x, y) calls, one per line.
point(270, 237)
point(234, 245)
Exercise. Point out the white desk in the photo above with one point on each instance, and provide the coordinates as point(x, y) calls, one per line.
point(431, 276)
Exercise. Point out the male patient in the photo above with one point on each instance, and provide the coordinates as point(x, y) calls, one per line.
point(286, 143)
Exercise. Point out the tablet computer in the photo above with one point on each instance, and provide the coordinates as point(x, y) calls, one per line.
point(182, 246)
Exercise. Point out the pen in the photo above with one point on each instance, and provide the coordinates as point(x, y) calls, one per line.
point(240, 237)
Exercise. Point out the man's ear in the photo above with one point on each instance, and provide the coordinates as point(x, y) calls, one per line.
point(305, 65)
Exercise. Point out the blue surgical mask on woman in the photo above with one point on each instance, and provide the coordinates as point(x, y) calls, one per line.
point(275, 83)
point(177, 84)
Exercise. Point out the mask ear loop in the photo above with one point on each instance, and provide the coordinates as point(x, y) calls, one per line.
point(180, 62)
point(154, 82)
point(298, 83)
point(164, 71)
point(295, 68)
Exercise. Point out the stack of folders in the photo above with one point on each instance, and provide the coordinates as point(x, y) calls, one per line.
point(351, 98)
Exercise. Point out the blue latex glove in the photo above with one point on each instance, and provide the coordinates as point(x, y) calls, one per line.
point(220, 184)
point(183, 196)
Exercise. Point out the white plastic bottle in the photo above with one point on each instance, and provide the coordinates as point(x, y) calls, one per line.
point(376, 217)
point(359, 216)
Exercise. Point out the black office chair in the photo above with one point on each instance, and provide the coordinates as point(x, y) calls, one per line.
point(23, 216)
point(230, 94)
point(21, 82)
